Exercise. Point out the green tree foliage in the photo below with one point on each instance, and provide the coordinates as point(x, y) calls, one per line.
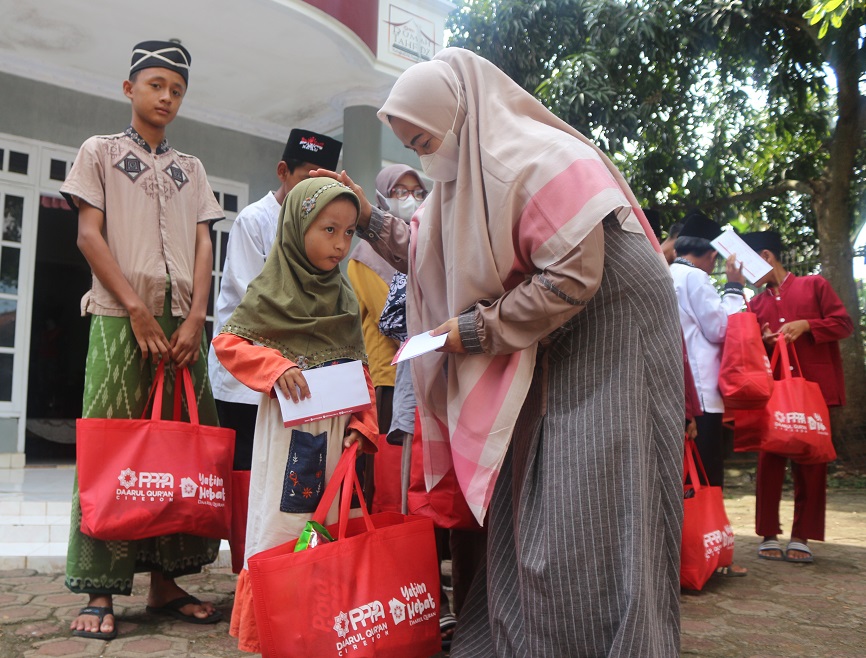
point(646, 81)
point(738, 108)
point(830, 13)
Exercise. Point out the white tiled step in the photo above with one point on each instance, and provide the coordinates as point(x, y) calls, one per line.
point(50, 556)
point(34, 522)
point(30, 508)
point(17, 534)
point(34, 519)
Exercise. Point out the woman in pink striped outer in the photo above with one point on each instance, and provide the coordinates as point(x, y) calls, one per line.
point(554, 397)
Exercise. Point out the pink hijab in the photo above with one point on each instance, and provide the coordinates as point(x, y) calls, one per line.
point(529, 188)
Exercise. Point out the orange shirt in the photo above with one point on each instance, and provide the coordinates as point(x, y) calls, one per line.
point(259, 367)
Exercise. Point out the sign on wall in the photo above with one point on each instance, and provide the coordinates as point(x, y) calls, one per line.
point(410, 32)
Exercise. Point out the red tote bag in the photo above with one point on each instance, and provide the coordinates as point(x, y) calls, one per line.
point(445, 503)
point(386, 477)
point(148, 477)
point(708, 538)
point(749, 428)
point(372, 592)
point(745, 375)
point(240, 503)
point(797, 418)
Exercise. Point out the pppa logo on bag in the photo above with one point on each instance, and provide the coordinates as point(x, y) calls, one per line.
point(358, 618)
point(717, 540)
point(127, 478)
point(797, 421)
point(154, 487)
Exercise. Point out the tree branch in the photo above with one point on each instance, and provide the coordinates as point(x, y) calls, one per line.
point(770, 192)
point(798, 22)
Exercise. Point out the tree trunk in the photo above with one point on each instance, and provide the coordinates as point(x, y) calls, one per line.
point(832, 205)
point(832, 213)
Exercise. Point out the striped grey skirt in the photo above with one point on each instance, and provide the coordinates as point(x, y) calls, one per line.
point(584, 524)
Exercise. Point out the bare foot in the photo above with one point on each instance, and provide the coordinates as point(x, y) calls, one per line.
point(89, 623)
point(164, 590)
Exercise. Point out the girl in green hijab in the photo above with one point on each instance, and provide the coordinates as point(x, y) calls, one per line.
point(299, 313)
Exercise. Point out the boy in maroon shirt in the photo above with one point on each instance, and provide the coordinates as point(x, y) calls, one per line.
point(809, 314)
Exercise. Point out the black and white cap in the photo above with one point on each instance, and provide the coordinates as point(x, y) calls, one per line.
point(161, 54)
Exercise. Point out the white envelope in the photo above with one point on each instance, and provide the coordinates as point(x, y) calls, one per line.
point(754, 267)
point(335, 390)
point(418, 345)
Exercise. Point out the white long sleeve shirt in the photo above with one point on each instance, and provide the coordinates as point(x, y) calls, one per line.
point(704, 319)
point(249, 244)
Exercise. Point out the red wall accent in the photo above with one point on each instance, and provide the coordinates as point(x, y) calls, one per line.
point(360, 16)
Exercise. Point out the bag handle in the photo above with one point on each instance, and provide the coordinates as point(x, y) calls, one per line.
point(780, 355)
point(793, 354)
point(157, 388)
point(346, 502)
point(189, 392)
point(689, 471)
point(694, 466)
point(155, 395)
point(347, 459)
point(343, 476)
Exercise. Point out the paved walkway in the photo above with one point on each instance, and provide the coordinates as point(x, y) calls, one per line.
point(778, 610)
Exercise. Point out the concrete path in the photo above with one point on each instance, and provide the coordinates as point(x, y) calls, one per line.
point(778, 610)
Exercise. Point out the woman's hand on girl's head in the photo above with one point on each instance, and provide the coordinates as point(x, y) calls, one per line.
point(343, 177)
point(293, 385)
point(453, 343)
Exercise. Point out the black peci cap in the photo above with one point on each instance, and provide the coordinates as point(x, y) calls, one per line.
point(307, 146)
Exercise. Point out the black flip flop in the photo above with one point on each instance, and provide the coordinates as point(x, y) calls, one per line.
point(728, 572)
point(100, 612)
point(172, 609)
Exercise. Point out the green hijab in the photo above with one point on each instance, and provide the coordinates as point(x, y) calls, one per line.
point(309, 315)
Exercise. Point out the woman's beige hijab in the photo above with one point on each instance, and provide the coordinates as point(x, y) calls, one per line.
point(309, 315)
point(529, 188)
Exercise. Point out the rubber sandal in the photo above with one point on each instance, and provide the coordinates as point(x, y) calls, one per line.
point(172, 609)
point(728, 572)
point(101, 612)
point(771, 545)
point(798, 546)
point(447, 623)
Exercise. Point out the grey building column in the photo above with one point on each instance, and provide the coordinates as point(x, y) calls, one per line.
point(362, 147)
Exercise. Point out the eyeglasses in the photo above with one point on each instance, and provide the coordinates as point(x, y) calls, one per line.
point(401, 192)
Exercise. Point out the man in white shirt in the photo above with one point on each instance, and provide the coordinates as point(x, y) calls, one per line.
point(250, 240)
point(704, 318)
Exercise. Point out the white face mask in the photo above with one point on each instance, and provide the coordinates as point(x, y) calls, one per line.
point(441, 166)
point(403, 208)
